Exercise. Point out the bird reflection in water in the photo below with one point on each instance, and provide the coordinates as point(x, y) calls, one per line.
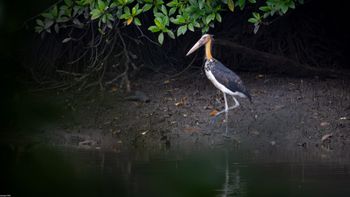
point(233, 186)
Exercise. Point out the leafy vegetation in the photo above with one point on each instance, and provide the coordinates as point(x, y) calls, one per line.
point(171, 18)
point(102, 39)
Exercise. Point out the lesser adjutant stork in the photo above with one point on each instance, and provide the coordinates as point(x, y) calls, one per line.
point(223, 78)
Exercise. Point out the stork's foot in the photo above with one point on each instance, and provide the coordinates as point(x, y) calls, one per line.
point(214, 120)
point(220, 112)
point(225, 111)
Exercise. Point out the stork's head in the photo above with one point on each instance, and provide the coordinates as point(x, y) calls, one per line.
point(202, 41)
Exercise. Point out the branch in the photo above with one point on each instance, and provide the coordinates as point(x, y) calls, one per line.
point(274, 60)
point(144, 36)
point(185, 69)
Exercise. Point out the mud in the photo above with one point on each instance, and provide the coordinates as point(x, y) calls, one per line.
point(286, 113)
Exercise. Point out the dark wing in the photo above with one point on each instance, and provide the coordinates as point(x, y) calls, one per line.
point(228, 78)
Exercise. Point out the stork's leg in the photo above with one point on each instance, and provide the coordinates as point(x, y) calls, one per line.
point(236, 103)
point(226, 114)
point(226, 107)
point(222, 111)
point(226, 110)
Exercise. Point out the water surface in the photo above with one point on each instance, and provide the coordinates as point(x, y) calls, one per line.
point(50, 171)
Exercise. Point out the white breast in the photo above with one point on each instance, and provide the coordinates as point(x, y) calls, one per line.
point(220, 86)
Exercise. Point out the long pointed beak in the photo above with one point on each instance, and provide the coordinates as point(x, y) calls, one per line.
point(196, 46)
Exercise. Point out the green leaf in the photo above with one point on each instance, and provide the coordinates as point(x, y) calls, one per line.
point(147, 7)
point(201, 4)
point(48, 24)
point(241, 4)
point(139, 11)
point(104, 18)
point(172, 11)
point(77, 10)
point(101, 5)
point(128, 1)
point(179, 20)
point(205, 29)
point(110, 17)
point(54, 11)
point(171, 34)
point(218, 17)
point(165, 21)
point(101, 31)
point(124, 16)
point(40, 23)
point(134, 10)
point(122, 2)
point(161, 38)
point(127, 10)
point(113, 5)
point(256, 15)
point(65, 10)
point(252, 1)
point(210, 18)
point(181, 30)
point(158, 14)
point(193, 2)
point(63, 19)
point(272, 12)
point(38, 29)
point(66, 40)
point(266, 14)
point(47, 15)
point(284, 9)
point(252, 20)
point(173, 20)
point(190, 27)
point(173, 3)
point(292, 5)
point(95, 14)
point(265, 8)
point(109, 25)
point(69, 3)
point(137, 21)
point(153, 29)
point(119, 13)
point(196, 24)
point(231, 5)
point(164, 10)
point(158, 22)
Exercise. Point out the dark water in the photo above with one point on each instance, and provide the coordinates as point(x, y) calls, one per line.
point(48, 171)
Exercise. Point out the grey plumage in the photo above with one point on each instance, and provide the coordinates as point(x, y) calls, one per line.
point(227, 77)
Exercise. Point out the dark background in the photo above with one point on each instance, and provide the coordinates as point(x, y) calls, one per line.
point(315, 34)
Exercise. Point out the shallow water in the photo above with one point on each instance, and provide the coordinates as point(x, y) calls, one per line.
point(50, 171)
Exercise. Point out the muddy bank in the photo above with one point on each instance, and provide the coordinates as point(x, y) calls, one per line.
point(287, 113)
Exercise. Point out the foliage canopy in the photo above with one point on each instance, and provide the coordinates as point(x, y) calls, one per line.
point(174, 17)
